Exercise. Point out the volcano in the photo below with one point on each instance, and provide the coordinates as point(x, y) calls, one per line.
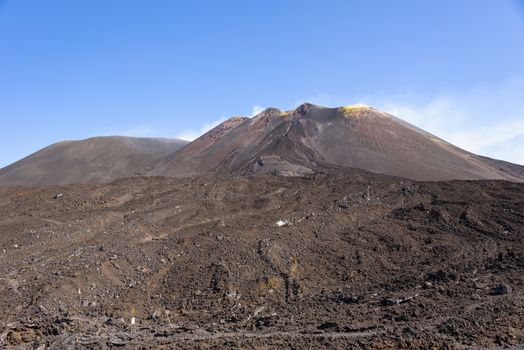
point(311, 138)
point(276, 231)
point(298, 142)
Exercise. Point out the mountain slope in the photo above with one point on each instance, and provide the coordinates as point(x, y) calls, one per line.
point(188, 160)
point(312, 138)
point(98, 159)
point(292, 143)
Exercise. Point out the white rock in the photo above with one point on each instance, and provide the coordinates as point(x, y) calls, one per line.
point(280, 223)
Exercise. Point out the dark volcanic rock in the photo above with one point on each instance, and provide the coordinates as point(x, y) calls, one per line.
point(201, 262)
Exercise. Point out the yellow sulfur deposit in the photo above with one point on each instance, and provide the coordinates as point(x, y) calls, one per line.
point(353, 111)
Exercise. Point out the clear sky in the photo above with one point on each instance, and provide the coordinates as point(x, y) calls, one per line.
point(75, 69)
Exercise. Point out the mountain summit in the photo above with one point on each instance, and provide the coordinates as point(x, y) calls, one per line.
point(312, 138)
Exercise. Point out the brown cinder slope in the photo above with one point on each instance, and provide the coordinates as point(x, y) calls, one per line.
point(311, 138)
point(188, 160)
point(98, 159)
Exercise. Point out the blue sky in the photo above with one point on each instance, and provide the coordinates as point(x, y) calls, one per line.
point(75, 69)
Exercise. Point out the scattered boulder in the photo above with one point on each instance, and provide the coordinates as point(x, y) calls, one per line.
point(328, 325)
point(281, 223)
point(501, 289)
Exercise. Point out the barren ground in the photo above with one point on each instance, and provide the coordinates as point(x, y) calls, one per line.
point(359, 261)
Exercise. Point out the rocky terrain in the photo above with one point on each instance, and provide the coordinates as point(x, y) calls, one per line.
point(329, 260)
point(303, 229)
